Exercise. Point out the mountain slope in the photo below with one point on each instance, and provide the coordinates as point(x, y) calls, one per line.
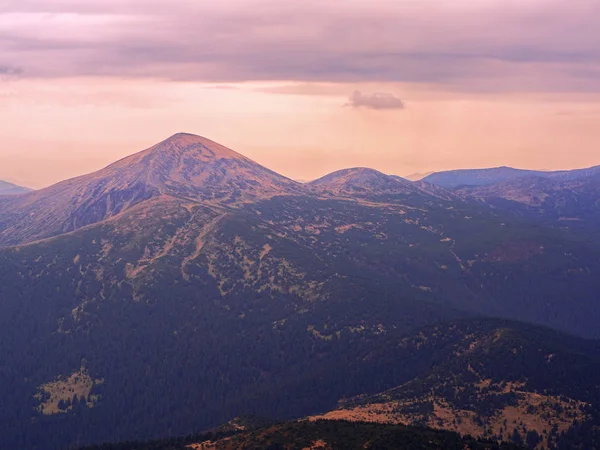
point(12, 189)
point(482, 177)
point(183, 166)
point(499, 380)
point(174, 315)
point(198, 310)
point(325, 435)
point(361, 180)
point(187, 285)
point(575, 203)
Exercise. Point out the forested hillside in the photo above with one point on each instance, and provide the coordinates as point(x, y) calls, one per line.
point(187, 285)
point(326, 435)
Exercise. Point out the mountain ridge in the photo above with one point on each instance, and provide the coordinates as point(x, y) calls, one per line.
point(189, 167)
point(186, 285)
point(7, 188)
point(196, 168)
point(452, 179)
point(485, 396)
point(565, 202)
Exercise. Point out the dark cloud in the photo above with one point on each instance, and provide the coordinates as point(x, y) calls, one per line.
point(375, 101)
point(486, 45)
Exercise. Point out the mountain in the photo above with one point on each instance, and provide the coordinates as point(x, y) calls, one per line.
point(452, 179)
point(568, 199)
point(12, 189)
point(361, 181)
point(186, 285)
point(573, 202)
point(184, 166)
point(372, 185)
point(325, 435)
point(495, 380)
point(492, 379)
point(482, 177)
point(417, 176)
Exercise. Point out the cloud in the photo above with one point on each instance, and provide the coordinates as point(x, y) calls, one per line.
point(375, 101)
point(485, 45)
point(8, 73)
point(6, 70)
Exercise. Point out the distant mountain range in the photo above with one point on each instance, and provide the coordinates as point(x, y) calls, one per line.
point(186, 284)
point(417, 176)
point(483, 177)
point(7, 188)
point(569, 198)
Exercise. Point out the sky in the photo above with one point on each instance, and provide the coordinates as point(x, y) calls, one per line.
point(302, 87)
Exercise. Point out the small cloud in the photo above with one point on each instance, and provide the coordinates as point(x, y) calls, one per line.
point(375, 101)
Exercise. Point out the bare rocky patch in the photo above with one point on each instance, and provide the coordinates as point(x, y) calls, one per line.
point(530, 411)
point(59, 395)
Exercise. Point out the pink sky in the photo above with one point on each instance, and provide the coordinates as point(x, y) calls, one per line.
point(302, 87)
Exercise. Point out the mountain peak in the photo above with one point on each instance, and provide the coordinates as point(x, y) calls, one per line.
point(362, 180)
point(184, 135)
point(353, 174)
point(191, 166)
point(183, 149)
point(189, 140)
point(7, 188)
point(184, 166)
